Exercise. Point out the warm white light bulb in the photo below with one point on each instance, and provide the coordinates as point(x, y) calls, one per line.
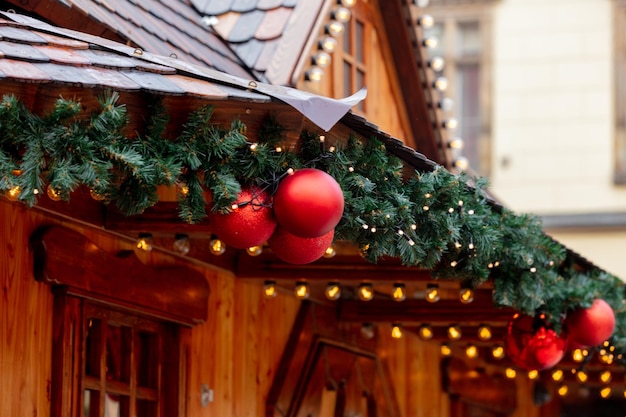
point(269, 289)
point(314, 74)
point(333, 291)
point(399, 292)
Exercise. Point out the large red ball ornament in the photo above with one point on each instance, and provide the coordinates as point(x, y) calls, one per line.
point(591, 326)
point(299, 250)
point(308, 203)
point(250, 223)
point(532, 345)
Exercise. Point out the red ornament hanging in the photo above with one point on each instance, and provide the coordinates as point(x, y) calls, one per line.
point(308, 203)
point(532, 345)
point(299, 250)
point(591, 326)
point(249, 223)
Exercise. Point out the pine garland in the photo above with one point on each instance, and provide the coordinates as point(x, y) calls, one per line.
point(433, 220)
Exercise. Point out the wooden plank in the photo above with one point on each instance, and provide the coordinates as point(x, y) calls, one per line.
point(66, 257)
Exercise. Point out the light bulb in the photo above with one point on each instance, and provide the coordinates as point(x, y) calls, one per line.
point(484, 332)
point(396, 331)
point(144, 242)
point(217, 247)
point(341, 14)
point(533, 374)
point(333, 291)
point(605, 392)
point(557, 375)
point(314, 74)
point(182, 244)
point(335, 28)
point(510, 373)
point(462, 163)
point(328, 44)
point(606, 377)
point(437, 63)
point(183, 189)
point(451, 123)
point(366, 292)
point(471, 351)
point(254, 250)
point(577, 355)
point(399, 292)
point(430, 42)
point(330, 252)
point(13, 193)
point(432, 293)
point(445, 350)
point(425, 332)
point(302, 290)
point(454, 332)
point(497, 352)
point(269, 289)
point(446, 104)
point(562, 390)
point(96, 195)
point(466, 295)
point(367, 330)
point(322, 59)
point(581, 376)
point(456, 143)
point(426, 21)
point(347, 3)
point(441, 84)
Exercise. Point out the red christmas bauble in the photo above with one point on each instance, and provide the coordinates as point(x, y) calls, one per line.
point(532, 345)
point(308, 203)
point(251, 223)
point(591, 326)
point(299, 250)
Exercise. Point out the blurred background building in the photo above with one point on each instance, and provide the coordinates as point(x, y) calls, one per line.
point(539, 93)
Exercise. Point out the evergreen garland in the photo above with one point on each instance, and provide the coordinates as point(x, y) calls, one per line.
point(432, 220)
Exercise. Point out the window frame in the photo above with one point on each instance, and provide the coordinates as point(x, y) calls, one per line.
point(619, 28)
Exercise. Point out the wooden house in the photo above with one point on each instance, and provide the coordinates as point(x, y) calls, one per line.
point(124, 124)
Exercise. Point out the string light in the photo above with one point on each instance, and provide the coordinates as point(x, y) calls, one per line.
point(606, 376)
point(396, 331)
point(432, 293)
point(430, 42)
point(366, 291)
point(333, 291)
point(144, 242)
point(581, 376)
point(183, 189)
point(445, 350)
point(269, 289)
point(451, 123)
point(466, 295)
point(399, 292)
point(497, 352)
point(302, 290)
point(454, 332)
point(347, 3)
point(510, 373)
point(314, 74)
point(437, 63)
point(557, 375)
point(321, 59)
point(484, 332)
point(254, 147)
point(426, 21)
point(97, 196)
point(341, 14)
point(217, 247)
point(461, 163)
point(578, 355)
point(334, 28)
point(367, 330)
point(254, 250)
point(328, 44)
point(441, 83)
point(533, 374)
point(471, 351)
point(182, 244)
point(425, 332)
point(456, 143)
point(562, 390)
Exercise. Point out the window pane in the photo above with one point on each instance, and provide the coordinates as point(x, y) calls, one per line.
point(93, 348)
point(91, 403)
point(347, 79)
point(468, 96)
point(146, 408)
point(469, 42)
point(119, 348)
point(360, 82)
point(147, 352)
point(359, 41)
point(347, 36)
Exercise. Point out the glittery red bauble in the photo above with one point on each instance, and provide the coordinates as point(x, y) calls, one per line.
point(299, 250)
point(250, 224)
point(532, 345)
point(588, 327)
point(308, 203)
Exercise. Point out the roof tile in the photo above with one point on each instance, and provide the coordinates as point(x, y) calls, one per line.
point(249, 51)
point(268, 4)
point(23, 71)
point(243, 6)
point(21, 35)
point(212, 7)
point(63, 42)
point(22, 51)
point(226, 24)
point(112, 79)
point(154, 82)
point(68, 74)
point(266, 55)
point(63, 55)
point(273, 23)
point(196, 87)
point(107, 60)
point(246, 26)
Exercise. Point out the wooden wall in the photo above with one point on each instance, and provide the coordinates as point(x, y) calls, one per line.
point(235, 353)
